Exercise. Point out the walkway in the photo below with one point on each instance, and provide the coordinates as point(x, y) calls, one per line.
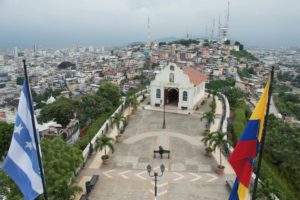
point(216, 127)
point(189, 173)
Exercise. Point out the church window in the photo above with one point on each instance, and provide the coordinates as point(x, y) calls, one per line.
point(171, 78)
point(184, 96)
point(158, 93)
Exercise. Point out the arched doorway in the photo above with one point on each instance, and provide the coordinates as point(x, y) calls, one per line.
point(172, 96)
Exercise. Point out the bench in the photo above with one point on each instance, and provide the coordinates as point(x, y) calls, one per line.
point(84, 197)
point(89, 185)
point(161, 151)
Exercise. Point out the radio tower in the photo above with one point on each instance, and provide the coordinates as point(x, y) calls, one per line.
point(219, 29)
point(225, 28)
point(213, 30)
point(148, 32)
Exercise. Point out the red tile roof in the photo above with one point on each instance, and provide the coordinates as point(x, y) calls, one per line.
point(195, 76)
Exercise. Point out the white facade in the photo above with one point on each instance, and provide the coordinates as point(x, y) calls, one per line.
point(188, 83)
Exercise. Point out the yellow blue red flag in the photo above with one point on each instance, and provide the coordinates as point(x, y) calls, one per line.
point(246, 150)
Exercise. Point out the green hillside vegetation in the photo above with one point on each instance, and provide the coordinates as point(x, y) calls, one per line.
point(185, 42)
point(60, 161)
point(282, 158)
point(239, 121)
point(219, 84)
point(288, 104)
point(246, 72)
point(243, 54)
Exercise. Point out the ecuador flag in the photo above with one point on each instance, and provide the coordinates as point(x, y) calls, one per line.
point(244, 153)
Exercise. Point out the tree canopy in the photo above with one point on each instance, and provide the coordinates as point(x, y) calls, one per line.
point(94, 105)
point(61, 111)
point(219, 84)
point(6, 131)
point(233, 94)
point(65, 65)
point(20, 80)
point(60, 161)
point(111, 92)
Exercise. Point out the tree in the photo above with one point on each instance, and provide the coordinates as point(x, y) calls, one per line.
point(209, 116)
point(103, 142)
point(117, 119)
point(61, 111)
point(65, 65)
point(233, 94)
point(111, 92)
point(208, 140)
point(60, 160)
point(237, 43)
point(131, 100)
point(227, 42)
point(94, 106)
point(8, 187)
point(6, 131)
point(220, 142)
point(19, 80)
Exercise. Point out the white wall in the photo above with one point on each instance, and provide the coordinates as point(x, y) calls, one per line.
point(181, 81)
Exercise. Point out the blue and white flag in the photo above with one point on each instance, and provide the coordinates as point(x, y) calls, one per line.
point(21, 162)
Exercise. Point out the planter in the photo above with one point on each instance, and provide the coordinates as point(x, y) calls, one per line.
point(118, 139)
point(105, 159)
point(220, 169)
point(208, 151)
point(208, 154)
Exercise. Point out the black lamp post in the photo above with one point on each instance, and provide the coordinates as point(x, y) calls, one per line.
point(155, 175)
point(164, 119)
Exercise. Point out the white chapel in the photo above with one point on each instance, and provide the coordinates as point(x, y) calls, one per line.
point(181, 88)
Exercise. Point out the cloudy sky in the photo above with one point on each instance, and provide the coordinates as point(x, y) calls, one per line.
point(61, 23)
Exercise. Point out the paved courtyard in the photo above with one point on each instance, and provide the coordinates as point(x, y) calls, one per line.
point(189, 173)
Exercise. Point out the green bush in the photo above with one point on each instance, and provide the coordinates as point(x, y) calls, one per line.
point(239, 121)
point(94, 128)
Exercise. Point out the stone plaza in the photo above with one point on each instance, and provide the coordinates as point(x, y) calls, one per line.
point(189, 174)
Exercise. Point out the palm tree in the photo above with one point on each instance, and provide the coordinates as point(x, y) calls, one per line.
point(102, 142)
point(132, 100)
point(220, 142)
point(208, 139)
point(209, 116)
point(117, 119)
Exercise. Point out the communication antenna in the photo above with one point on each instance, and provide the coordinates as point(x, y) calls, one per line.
point(148, 32)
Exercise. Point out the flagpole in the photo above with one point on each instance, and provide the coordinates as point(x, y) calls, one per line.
point(263, 136)
point(34, 131)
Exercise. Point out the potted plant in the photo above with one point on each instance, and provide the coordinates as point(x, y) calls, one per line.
point(117, 119)
point(220, 142)
point(209, 116)
point(208, 139)
point(133, 101)
point(104, 142)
